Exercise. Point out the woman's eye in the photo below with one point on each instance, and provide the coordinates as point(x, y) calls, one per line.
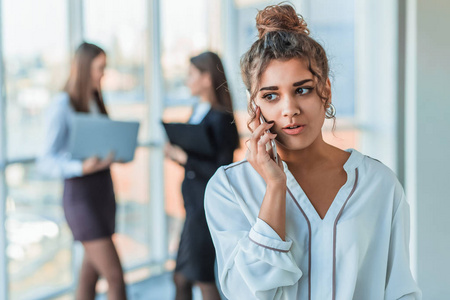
point(270, 97)
point(303, 90)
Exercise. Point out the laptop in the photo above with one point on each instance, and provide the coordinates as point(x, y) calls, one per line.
point(94, 135)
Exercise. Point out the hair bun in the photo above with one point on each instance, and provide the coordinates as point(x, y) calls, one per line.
point(280, 18)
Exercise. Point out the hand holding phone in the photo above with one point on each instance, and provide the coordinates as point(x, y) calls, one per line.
point(272, 146)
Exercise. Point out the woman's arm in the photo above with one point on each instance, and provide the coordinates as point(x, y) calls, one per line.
point(253, 261)
point(273, 208)
point(54, 161)
point(400, 283)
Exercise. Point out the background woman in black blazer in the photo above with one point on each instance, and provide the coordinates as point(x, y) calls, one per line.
point(196, 254)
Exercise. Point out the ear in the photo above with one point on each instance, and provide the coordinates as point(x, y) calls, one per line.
point(207, 79)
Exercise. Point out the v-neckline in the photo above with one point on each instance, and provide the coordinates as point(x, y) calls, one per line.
point(340, 198)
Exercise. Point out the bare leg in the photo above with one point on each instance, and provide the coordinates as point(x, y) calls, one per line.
point(209, 290)
point(87, 281)
point(103, 256)
point(183, 287)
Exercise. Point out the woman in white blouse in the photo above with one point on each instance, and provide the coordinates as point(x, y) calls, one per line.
point(323, 223)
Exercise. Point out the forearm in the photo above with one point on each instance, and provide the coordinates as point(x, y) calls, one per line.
point(273, 208)
point(253, 262)
point(57, 166)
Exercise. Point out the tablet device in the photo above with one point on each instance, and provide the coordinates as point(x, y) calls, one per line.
point(192, 138)
point(94, 135)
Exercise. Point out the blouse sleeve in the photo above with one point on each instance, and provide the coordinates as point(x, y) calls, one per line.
point(253, 261)
point(400, 283)
point(54, 161)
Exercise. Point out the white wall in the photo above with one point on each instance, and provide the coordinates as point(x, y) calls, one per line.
point(428, 140)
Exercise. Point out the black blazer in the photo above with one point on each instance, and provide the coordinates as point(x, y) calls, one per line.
point(223, 132)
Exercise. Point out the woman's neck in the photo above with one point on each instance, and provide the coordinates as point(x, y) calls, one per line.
point(208, 96)
point(315, 155)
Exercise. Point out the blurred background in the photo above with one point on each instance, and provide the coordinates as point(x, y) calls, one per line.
point(390, 71)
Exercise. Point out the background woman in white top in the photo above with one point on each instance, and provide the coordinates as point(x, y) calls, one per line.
point(88, 199)
point(322, 224)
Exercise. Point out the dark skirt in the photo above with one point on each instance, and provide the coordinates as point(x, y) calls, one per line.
point(196, 253)
point(90, 206)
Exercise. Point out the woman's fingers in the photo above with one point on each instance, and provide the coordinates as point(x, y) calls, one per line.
point(257, 135)
point(262, 152)
point(256, 121)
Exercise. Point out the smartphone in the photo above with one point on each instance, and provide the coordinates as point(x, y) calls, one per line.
point(271, 147)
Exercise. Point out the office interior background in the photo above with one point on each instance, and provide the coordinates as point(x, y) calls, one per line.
point(390, 75)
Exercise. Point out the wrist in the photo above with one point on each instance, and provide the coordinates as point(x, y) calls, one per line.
point(276, 190)
point(276, 185)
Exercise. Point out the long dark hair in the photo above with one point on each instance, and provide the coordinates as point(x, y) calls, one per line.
point(78, 85)
point(210, 62)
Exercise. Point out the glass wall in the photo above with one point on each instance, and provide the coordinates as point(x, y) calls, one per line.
point(35, 54)
point(121, 29)
point(40, 256)
point(332, 24)
point(39, 240)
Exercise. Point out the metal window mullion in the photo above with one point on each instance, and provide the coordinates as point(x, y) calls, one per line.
point(75, 18)
point(230, 53)
point(155, 95)
point(76, 22)
point(4, 288)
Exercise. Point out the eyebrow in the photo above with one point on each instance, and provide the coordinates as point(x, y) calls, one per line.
point(270, 88)
point(274, 88)
point(302, 82)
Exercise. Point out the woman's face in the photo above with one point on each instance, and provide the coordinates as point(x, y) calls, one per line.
point(97, 70)
point(197, 81)
point(287, 95)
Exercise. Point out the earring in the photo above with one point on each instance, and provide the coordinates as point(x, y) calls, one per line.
point(330, 112)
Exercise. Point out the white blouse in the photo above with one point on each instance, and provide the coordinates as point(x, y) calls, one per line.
point(199, 113)
point(360, 250)
point(54, 160)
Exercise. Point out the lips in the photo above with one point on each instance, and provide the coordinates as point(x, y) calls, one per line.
point(293, 129)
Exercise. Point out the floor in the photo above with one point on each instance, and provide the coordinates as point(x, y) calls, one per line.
point(155, 288)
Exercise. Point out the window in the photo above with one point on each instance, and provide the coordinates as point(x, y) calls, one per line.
point(35, 40)
point(121, 29)
point(35, 50)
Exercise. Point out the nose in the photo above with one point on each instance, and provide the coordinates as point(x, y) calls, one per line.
point(290, 106)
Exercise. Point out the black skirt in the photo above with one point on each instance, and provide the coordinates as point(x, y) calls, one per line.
point(196, 253)
point(90, 206)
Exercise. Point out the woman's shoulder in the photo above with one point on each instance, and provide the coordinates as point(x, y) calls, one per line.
point(235, 174)
point(233, 185)
point(60, 102)
point(375, 172)
point(61, 98)
point(220, 114)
